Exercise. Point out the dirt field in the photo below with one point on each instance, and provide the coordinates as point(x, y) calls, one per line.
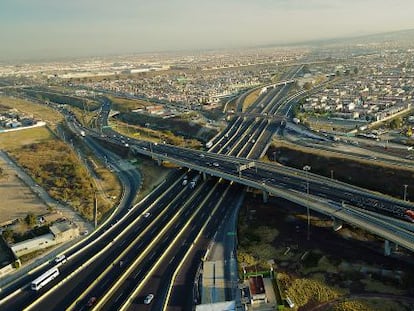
point(17, 199)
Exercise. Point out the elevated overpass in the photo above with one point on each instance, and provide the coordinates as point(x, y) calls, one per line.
point(228, 168)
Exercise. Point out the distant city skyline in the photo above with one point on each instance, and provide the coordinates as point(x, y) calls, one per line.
point(41, 29)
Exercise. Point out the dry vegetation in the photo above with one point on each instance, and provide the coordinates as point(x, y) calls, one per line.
point(250, 99)
point(148, 134)
point(304, 290)
point(10, 141)
point(54, 166)
point(381, 177)
point(152, 175)
point(331, 271)
point(38, 111)
point(124, 104)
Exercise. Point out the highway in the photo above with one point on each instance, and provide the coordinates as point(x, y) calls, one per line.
point(156, 246)
point(81, 257)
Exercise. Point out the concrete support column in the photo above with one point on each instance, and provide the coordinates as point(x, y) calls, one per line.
point(159, 162)
point(265, 196)
point(337, 224)
point(387, 248)
point(204, 176)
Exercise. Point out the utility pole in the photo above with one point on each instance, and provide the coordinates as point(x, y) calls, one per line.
point(96, 209)
point(405, 192)
point(307, 168)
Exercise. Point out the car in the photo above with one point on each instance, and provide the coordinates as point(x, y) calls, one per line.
point(202, 155)
point(91, 302)
point(148, 299)
point(61, 258)
point(146, 215)
point(85, 232)
point(216, 164)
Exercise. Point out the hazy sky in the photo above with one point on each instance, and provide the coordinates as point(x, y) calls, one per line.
point(55, 28)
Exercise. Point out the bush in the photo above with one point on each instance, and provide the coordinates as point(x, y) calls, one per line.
point(30, 219)
point(352, 305)
point(303, 291)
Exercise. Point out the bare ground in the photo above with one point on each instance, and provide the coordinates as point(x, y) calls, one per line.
point(17, 199)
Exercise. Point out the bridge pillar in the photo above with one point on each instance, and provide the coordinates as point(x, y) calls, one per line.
point(204, 176)
point(265, 196)
point(337, 224)
point(159, 162)
point(387, 248)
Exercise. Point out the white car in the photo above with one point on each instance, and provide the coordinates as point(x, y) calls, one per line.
point(146, 215)
point(216, 164)
point(60, 258)
point(148, 299)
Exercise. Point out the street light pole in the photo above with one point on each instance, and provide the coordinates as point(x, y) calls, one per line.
point(96, 209)
point(307, 168)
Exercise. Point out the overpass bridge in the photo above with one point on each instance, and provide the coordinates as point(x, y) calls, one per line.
point(265, 115)
point(234, 169)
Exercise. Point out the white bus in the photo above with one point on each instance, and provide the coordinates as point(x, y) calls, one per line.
point(45, 278)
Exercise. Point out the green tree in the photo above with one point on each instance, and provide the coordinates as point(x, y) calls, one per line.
point(30, 219)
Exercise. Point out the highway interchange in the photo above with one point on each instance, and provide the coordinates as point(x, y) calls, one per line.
point(141, 249)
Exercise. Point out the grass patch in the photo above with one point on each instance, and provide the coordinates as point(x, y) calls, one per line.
point(250, 99)
point(346, 168)
point(38, 111)
point(125, 105)
point(148, 134)
point(11, 141)
point(179, 126)
point(152, 175)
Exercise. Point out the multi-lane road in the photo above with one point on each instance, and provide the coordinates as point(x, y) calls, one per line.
point(156, 245)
